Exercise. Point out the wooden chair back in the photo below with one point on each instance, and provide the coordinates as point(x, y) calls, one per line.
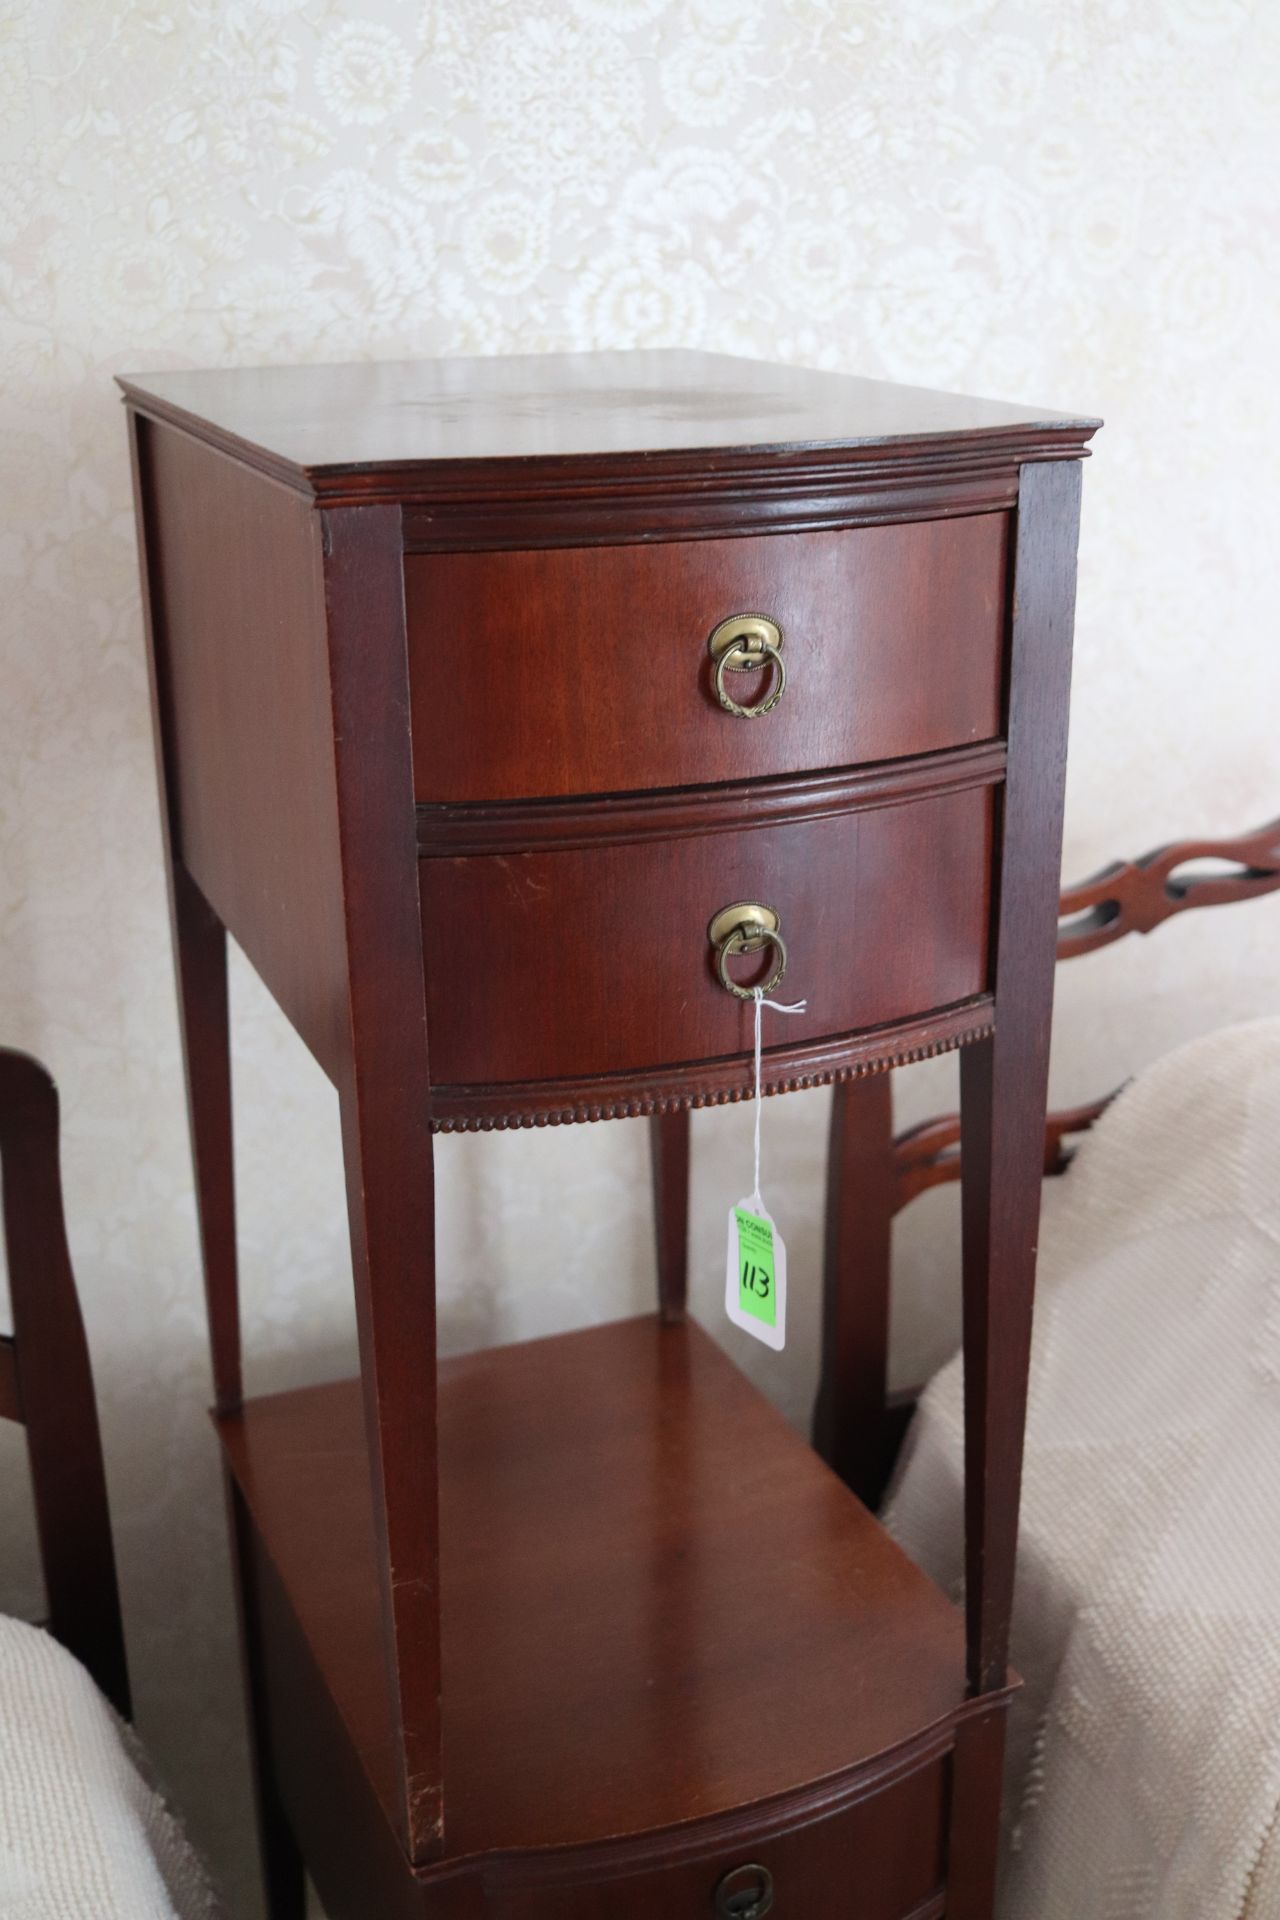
point(46, 1384)
point(873, 1174)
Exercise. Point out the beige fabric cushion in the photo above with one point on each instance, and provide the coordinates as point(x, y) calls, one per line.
point(1144, 1777)
point(83, 1836)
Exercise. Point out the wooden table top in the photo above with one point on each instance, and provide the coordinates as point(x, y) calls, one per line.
point(343, 419)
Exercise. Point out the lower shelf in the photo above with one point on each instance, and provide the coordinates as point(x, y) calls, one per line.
point(658, 1606)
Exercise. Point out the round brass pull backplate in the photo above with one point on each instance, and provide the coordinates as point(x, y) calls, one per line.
point(746, 927)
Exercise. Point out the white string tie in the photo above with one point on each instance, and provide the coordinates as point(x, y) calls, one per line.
point(779, 1006)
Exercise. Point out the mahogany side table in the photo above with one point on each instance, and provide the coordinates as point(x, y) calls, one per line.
point(511, 714)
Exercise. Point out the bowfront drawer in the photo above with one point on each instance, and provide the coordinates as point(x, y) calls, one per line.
point(592, 951)
point(590, 670)
point(881, 1859)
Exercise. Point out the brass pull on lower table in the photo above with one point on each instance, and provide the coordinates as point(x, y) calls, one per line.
point(746, 927)
point(746, 1893)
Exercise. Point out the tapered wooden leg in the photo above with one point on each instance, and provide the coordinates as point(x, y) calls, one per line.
point(390, 1208)
point(200, 960)
point(283, 1874)
point(849, 1421)
point(1002, 1117)
point(669, 1152)
point(1004, 1079)
point(384, 1097)
point(200, 949)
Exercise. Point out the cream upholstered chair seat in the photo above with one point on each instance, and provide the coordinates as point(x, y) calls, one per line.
point(1144, 1767)
point(84, 1835)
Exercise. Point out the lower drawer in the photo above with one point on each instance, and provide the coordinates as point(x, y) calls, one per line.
point(882, 1859)
point(593, 959)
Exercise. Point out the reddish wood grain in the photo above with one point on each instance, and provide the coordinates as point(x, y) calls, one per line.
point(358, 1869)
point(283, 1870)
point(587, 671)
point(550, 964)
point(711, 1083)
point(601, 1521)
point(886, 1853)
point(1004, 1080)
point(524, 422)
point(1126, 897)
point(974, 1836)
point(200, 965)
point(236, 595)
point(200, 952)
point(384, 1091)
point(51, 1383)
point(853, 1381)
point(669, 1152)
point(628, 819)
point(928, 1155)
point(630, 447)
point(10, 1391)
point(576, 1654)
point(278, 656)
point(1136, 896)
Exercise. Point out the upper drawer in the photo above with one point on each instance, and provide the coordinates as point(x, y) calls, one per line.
point(587, 670)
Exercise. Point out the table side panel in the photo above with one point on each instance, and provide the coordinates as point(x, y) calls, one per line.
point(342, 1822)
point(242, 670)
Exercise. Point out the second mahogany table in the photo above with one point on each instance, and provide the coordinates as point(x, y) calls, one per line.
point(511, 714)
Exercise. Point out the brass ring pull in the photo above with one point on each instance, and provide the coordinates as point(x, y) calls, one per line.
point(729, 663)
point(742, 644)
point(745, 1894)
point(746, 928)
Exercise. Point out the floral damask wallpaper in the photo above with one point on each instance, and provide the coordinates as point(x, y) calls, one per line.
point(1065, 201)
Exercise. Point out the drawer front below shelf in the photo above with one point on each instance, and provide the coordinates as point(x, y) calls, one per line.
point(881, 1859)
point(586, 670)
point(548, 965)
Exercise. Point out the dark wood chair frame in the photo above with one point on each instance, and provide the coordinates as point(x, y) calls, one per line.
point(859, 1425)
point(46, 1384)
point(873, 1174)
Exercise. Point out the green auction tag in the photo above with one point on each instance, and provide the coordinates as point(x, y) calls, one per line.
point(755, 1264)
point(757, 1281)
point(755, 1274)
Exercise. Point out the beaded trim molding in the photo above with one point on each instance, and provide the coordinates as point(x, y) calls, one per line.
point(637, 1107)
